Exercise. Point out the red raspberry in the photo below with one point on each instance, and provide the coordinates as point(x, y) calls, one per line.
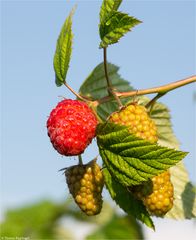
point(71, 127)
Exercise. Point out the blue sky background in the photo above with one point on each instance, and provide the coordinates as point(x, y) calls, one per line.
point(159, 51)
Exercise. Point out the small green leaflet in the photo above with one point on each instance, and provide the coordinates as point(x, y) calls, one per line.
point(108, 7)
point(113, 24)
point(115, 27)
point(132, 160)
point(63, 51)
point(125, 200)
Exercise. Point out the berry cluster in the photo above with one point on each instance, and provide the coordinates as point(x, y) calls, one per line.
point(85, 183)
point(71, 127)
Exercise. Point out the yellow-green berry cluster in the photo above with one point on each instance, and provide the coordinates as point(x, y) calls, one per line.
point(85, 183)
point(156, 194)
point(136, 118)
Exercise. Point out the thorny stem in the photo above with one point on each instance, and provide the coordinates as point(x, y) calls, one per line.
point(162, 90)
point(110, 89)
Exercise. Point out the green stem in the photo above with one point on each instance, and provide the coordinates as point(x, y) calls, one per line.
point(152, 101)
point(80, 160)
point(109, 84)
point(76, 94)
point(110, 89)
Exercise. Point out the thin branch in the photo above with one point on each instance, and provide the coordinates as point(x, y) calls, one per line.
point(161, 90)
point(110, 89)
point(152, 101)
point(109, 84)
point(75, 93)
point(80, 160)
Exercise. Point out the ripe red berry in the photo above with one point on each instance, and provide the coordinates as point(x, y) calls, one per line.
point(71, 127)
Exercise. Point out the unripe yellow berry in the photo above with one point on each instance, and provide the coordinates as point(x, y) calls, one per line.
point(136, 118)
point(85, 183)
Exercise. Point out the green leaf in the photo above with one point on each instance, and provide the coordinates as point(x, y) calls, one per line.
point(119, 227)
point(162, 118)
point(184, 194)
point(130, 159)
point(42, 218)
point(95, 87)
point(63, 51)
point(125, 199)
point(108, 7)
point(115, 27)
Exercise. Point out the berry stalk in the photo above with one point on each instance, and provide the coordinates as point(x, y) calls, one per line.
point(110, 89)
point(75, 93)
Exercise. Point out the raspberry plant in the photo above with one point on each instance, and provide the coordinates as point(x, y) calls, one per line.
point(136, 143)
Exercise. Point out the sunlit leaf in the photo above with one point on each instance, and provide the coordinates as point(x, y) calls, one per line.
point(126, 201)
point(130, 159)
point(63, 51)
point(116, 27)
point(108, 7)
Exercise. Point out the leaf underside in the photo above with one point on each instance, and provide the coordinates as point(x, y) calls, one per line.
point(125, 200)
point(114, 24)
point(184, 194)
point(95, 87)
